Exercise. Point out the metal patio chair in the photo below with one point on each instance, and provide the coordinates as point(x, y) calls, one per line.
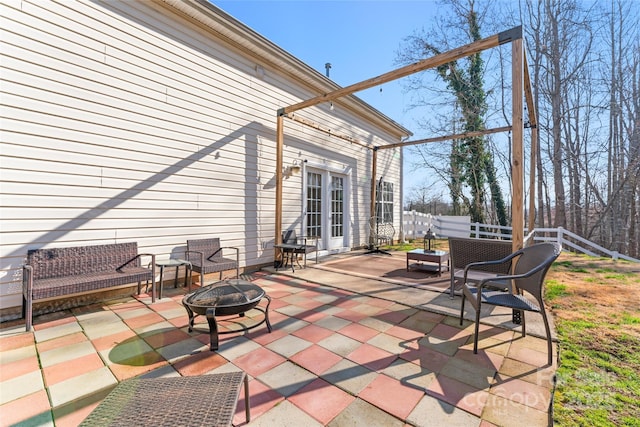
point(531, 266)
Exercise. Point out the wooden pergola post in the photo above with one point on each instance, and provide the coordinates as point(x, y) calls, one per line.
point(279, 164)
point(533, 124)
point(517, 152)
point(374, 170)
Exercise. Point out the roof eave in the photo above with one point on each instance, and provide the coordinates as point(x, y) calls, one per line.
point(255, 45)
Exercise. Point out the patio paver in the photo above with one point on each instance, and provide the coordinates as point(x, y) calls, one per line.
point(335, 355)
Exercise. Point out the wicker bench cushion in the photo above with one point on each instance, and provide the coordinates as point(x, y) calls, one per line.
point(61, 286)
point(219, 264)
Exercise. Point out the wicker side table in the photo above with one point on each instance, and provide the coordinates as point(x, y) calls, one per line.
point(209, 400)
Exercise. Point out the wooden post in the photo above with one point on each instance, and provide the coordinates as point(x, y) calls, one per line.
point(517, 160)
point(372, 209)
point(533, 122)
point(532, 179)
point(279, 164)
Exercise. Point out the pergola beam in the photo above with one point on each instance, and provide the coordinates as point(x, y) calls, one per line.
point(326, 130)
point(425, 64)
point(448, 137)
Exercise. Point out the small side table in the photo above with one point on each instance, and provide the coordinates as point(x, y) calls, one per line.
point(173, 262)
point(434, 256)
point(289, 254)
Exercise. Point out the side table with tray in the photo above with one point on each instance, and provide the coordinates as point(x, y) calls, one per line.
point(428, 260)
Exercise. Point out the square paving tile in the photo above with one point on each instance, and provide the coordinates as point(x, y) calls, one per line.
point(358, 332)
point(32, 409)
point(316, 359)
point(258, 361)
point(70, 368)
point(362, 413)
point(392, 395)
point(522, 392)
point(288, 345)
point(349, 376)
point(508, 413)
point(287, 378)
point(433, 412)
point(340, 344)
point(284, 414)
point(410, 374)
point(313, 333)
point(321, 400)
point(372, 357)
point(458, 394)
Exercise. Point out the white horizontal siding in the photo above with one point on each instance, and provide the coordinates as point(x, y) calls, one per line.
point(123, 122)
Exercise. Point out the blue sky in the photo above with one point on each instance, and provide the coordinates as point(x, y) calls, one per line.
point(359, 38)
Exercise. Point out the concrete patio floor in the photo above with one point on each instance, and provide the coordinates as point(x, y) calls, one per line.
point(345, 350)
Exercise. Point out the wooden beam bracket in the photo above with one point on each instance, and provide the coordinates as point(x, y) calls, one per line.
point(508, 36)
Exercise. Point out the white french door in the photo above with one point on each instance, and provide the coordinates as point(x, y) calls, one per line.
point(326, 209)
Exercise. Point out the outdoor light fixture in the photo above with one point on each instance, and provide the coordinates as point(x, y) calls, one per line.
point(428, 238)
point(295, 166)
point(331, 106)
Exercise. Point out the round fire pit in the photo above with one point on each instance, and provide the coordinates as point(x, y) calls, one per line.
point(226, 298)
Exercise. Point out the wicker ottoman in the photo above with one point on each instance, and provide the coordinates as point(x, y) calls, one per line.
point(209, 400)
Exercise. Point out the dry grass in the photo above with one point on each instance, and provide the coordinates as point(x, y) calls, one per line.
point(596, 306)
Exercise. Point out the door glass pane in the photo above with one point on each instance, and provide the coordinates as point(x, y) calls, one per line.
point(337, 206)
point(314, 204)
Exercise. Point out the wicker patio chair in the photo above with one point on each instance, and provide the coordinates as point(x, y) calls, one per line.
point(380, 233)
point(206, 256)
point(529, 271)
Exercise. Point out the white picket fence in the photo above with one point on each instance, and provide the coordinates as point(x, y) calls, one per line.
point(416, 225)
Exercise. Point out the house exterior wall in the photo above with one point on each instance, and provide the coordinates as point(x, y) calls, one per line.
point(126, 121)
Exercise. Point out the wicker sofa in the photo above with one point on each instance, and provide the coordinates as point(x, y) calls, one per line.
point(56, 273)
point(464, 251)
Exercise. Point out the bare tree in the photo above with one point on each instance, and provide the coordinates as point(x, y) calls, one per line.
point(471, 165)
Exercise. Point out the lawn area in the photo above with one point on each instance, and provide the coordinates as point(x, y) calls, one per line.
point(596, 308)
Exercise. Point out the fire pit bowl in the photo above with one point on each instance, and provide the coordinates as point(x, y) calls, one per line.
point(226, 298)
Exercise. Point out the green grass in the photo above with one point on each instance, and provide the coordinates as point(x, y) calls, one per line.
point(555, 290)
point(599, 345)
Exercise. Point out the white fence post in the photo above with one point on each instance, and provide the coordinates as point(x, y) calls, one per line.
point(560, 236)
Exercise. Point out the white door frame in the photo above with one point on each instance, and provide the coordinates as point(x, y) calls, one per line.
point(325, 243)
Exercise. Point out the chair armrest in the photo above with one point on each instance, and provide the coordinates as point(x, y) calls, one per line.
point(226, 247)
point(27, 279)
point(314, 238)
point(493, 262)
point(153, 261)
point(187, 253)
point(513, 276)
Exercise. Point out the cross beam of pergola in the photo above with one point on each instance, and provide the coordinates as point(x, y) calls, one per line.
point(521, 84)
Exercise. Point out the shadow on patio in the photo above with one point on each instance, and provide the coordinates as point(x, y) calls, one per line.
point(345, 350)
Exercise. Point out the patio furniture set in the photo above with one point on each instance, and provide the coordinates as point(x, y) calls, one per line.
point(485, 271)
point(55, 273)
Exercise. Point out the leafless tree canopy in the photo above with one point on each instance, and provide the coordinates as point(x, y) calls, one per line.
point(584, 63)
